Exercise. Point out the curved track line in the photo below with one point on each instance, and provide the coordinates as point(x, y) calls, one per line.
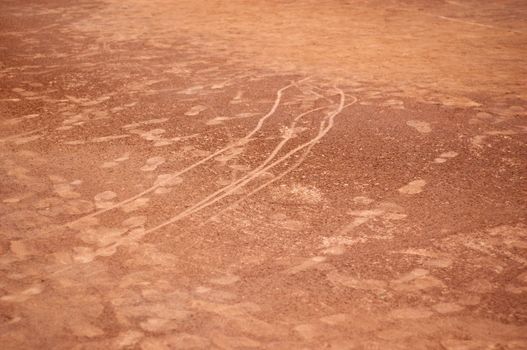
point(274, 179)
point(192, 166)
point(240, 183)
point(258, 170)
point(249, 177)
point(253, 173)
point(264, 185)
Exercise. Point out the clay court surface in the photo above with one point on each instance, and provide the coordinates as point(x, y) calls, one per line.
point(259, 174)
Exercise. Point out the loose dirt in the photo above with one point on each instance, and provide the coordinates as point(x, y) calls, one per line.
point(263, 174)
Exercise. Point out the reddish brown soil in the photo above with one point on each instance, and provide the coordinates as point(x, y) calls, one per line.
point(263, 174)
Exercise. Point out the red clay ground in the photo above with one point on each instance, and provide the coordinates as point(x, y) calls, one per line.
point(263, 174)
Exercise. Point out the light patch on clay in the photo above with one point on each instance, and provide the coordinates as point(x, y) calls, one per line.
point(195, 110)
point(420, 126)
point(152, 163)
point(413, 187)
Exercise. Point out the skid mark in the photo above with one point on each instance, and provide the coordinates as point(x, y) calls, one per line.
point(239, 142)
point(108, 285)
point(325, 126)
point(277, 177)
point(266, 184)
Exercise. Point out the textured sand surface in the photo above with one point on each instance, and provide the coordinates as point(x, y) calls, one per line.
point(258, 174)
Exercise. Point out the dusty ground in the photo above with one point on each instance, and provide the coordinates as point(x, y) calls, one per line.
point(263, 174)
